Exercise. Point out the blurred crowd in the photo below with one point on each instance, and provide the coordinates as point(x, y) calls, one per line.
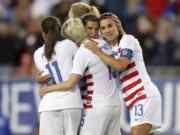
point(156, 23)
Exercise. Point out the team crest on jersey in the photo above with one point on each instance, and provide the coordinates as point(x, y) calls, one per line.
point(124, 52)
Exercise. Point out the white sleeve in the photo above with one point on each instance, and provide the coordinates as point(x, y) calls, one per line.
point(68, 46)
point(37, 61)
point(73, 47)
point(79, 63)
point(128, 42)
point(75, 50)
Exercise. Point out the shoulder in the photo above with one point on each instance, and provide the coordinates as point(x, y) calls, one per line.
point(66, 43)
point(128, 37)
point(83, 51)
point(39, 51)
point(129, 41)
point(38, 56)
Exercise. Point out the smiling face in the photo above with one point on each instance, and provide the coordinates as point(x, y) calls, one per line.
point(92, 29)
point(109, 31)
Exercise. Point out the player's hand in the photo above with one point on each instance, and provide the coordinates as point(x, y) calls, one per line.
point(92, 46)
point(43, 91)
point(118, 24)
point(42, 79)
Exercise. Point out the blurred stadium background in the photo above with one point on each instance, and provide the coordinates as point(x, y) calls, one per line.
point(156, 23)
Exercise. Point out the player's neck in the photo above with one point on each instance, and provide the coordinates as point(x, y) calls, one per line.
point(114, 42)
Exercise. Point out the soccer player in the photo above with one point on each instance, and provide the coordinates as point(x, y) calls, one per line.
point(91, 23)
point(140, 94)
point(102, 107)
point(60, 112)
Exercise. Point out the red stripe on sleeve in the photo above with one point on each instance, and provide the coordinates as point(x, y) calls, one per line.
point(90, 76)
point(131, 65)
point(89, 98)
point(132, 95)
point(90, 92)
point(129, 76)
point(87, 106)
point(137, 99)
point(90, 84)
point(130, 86)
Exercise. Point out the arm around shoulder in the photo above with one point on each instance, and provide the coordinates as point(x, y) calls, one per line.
point(119, 64)
point(64, 86)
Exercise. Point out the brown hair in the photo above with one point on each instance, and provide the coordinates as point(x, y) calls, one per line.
point(109, 15)
point(114, 18)
point(52, 28)
point(89, 17)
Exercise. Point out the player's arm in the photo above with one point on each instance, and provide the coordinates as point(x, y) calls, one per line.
point(64, 86)
point(39, 78)
point(118, 64)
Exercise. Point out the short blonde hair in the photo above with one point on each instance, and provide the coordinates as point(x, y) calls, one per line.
point(74, 29)
point(79, 9)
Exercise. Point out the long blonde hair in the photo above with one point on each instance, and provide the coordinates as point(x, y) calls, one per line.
point(74, 29)
point(79, 9)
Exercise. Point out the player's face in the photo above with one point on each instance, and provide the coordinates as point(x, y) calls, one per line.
point(109, 30)
point(92, 29)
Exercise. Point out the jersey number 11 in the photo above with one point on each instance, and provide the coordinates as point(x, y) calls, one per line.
point(50, 67)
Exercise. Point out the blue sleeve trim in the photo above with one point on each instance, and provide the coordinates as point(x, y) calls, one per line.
point(128, 53)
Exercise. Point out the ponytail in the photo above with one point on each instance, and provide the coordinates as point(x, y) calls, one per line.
point(51, 27)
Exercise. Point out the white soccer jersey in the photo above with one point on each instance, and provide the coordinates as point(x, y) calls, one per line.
point(59, 68)
point(101, 87)
point(135, 81)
